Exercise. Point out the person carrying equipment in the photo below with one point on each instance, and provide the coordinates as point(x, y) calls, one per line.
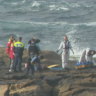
point(18, 51)
point(65, 46)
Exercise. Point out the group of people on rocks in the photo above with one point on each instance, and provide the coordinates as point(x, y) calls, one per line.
point(15, 50)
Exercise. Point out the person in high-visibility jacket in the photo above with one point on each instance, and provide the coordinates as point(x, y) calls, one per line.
point(65, 47)
point(18, 51)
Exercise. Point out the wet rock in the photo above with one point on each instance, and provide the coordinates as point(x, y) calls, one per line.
point(4, 90)
point(68, 82)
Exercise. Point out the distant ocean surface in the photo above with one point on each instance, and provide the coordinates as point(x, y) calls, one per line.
point(49, 20)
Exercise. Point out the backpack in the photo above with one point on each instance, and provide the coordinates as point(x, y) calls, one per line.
point(33, 48)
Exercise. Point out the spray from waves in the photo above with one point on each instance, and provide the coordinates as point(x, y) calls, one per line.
point(74, 41)
point(81, 40)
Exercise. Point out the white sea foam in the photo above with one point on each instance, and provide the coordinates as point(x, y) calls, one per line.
point(86, 24)
point(76, 5)
point(18, 3)
point(52, 7)
point(24, 1)
point(58, 7)
point(73, 5)
point(72, 31)
point(15, 3)
point(54, 23)
point(63, 8)
point(91, 24)
point(36, 23)
point(74, 42)
point(35, 4)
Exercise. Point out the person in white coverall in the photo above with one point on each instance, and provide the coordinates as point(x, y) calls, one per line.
point(87, 55)
point(65, 46)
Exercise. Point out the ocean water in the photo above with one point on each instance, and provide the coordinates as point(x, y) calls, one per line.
point(49, 20)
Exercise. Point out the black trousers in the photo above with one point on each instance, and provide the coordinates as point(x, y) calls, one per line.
point(29, 68)
point(17, 63)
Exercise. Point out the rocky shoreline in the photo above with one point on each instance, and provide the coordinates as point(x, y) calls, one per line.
point(69, 82)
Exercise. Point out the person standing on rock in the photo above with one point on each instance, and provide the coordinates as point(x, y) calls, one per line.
point(10, 52)
point(12, 55)
point(65, 47)
point(33, 49)
point(18, 51)
point(8, 46)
